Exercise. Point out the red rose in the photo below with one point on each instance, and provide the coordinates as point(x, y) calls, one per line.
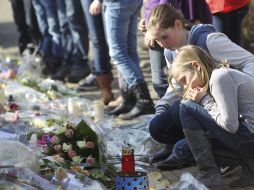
point(72, 153)
point(89, 144)
point(90, 160)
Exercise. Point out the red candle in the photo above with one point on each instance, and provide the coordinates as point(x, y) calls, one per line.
point(128, 163)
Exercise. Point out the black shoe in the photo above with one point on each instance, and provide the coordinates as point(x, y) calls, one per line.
point(172, 163)
point(62, 72)
point(89, 83)
point(50, 65)
point(162, 154)
point(77, 73)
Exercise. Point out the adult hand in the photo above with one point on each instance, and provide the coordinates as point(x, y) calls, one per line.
point(142, 25)
point(195, 94)
point(95, 8)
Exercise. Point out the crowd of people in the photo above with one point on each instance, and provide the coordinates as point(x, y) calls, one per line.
point(205, 112)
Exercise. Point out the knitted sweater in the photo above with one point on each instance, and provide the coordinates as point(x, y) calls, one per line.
point(232, 100)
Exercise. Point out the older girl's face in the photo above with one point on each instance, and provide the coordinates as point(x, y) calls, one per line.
point(170, 38)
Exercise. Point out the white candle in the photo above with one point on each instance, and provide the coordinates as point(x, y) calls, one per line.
point(98, 109)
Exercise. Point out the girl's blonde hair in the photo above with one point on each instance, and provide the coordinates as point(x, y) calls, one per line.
point(164, 16)
point(183, 62)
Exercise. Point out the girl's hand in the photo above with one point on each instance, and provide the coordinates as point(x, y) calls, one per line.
point(142, 25)
point(95, 8)
point(195, 94)
point(149, 42)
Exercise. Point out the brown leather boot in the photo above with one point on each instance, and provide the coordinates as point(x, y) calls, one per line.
point(104, 82)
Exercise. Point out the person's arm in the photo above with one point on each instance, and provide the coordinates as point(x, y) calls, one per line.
point(168, 99)
point(223, 106)
point(170, 96)
point(222, 48)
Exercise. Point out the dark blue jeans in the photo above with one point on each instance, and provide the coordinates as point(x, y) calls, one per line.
point(166, 128)
point(74, 30)
point(230, 23)
point(194, 117)
point(46, 14)
point(97, 35)
point(158, 63)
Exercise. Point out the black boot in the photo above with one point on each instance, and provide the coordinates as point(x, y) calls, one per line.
point(126, 105)
point(201, 150)
point(143, 105)
point(162, 154)
point(172, 163)
point(63, 71)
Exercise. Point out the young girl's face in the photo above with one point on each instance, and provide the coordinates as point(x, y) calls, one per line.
point(170, 38)
point(188, 79)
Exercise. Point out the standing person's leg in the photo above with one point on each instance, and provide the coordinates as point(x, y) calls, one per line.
point(33, 28)
point(46, 44)
point(117, 21)
point(158, 63)
point(67, 42)
point(219, 22)
point(79, 30)
point(53, 29)
point(234, 23)
point(120, 18)
point(19, 16)
point(102, 67)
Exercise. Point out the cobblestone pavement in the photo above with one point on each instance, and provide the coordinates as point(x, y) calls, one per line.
point(8, 41)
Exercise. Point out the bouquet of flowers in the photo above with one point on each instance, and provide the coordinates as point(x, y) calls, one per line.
point(75, 143)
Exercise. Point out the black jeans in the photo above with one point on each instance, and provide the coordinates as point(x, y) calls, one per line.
point(231, 23)
point(25, 20)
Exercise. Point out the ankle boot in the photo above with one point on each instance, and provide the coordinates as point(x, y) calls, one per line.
point(162, 154)
point(201, 150)
point(127, 103)
point(104, 82)
point(143, 102)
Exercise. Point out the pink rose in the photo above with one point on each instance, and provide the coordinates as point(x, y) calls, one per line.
point(90, 160)
point(57, 148)
point(89, 144)
point(54, 140)
point(46, 149)
point(72, 153)
point(69, 133)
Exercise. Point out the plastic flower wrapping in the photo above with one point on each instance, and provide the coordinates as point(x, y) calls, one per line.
point(76, 143)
